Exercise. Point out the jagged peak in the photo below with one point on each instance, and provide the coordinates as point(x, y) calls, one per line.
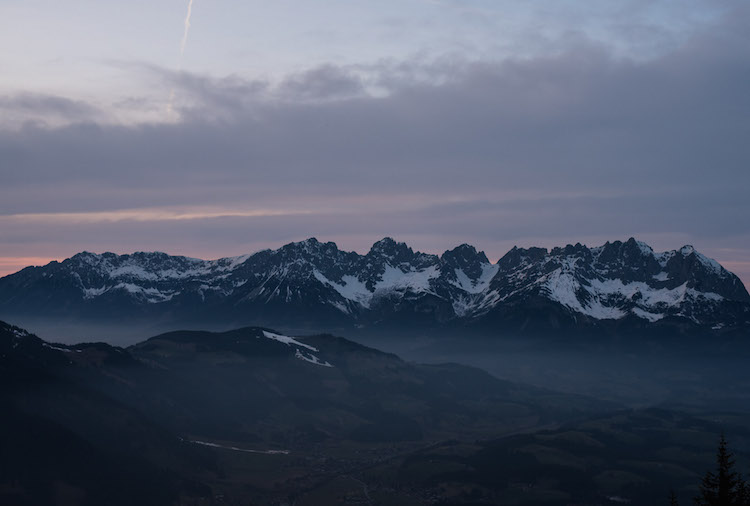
point(709, 263)
point(309, 245)
point(386, 242)
point(570, 249)
point(533, 251)
point(390, 247)
point(627, 249)
point(310, 241)
point(86, 256)
point(647, 250)
point(644, 247)
point(516, 256)
point(686, 250)
point(151, 254)
point(464, 252)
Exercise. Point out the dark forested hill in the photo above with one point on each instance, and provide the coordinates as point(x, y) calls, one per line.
point(96, 424)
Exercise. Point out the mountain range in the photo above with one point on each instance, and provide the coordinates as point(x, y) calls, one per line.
point(316, 286)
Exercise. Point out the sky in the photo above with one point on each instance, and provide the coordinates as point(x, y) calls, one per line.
point(129, 126)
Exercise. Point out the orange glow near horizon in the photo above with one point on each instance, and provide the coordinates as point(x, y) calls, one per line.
point(9, 265)
point(149, 214)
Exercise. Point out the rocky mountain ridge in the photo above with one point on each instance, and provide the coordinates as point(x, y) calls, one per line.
point(317, 285)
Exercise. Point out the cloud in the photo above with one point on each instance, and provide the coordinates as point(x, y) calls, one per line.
point(43, 109)
point(323, 82)
point(580, 120)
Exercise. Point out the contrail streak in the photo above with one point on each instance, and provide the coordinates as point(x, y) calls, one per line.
point(187, 29)
point(183, 43)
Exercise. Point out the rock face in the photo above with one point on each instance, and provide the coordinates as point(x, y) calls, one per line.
point(317, 286)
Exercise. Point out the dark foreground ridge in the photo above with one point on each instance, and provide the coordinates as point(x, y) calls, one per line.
point(91, 421)
point(251, 416)
point(616, 288)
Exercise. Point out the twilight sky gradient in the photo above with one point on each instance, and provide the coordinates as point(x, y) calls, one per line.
point(437, 122)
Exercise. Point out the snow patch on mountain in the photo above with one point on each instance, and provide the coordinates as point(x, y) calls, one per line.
point(19, 333)
point(289, 341)
point(417, 281)
point(233, 262)
point(150, 294)
point(312, 359)
point(159, 267)
point(646, 250)
point(133, 271)
point(480, 284)
point(392, 279)
point(602, 297)
point(709, 263)
point(58, 348)
point(648, 296)
point(564, 288)
point(652, 317)
point(90, 293)
point(350, 288)
point(662, 276)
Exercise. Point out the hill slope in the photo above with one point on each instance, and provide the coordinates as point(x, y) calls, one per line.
point(165, 421)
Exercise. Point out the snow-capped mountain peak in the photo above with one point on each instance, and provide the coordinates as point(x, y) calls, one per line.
point(315, 282)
